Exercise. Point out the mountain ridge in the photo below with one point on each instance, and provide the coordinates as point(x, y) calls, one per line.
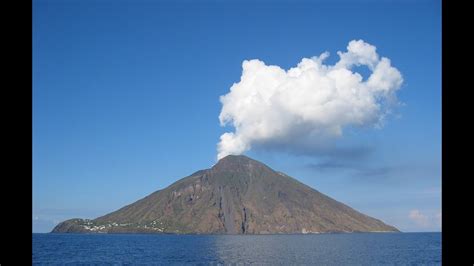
point(238, 195)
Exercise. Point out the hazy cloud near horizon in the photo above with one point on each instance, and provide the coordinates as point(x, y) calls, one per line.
point(426, 220)
point(307, 106)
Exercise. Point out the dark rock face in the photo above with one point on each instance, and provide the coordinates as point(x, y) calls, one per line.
point(238, 195)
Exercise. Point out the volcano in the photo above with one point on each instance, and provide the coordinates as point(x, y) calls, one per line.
point(238, 195)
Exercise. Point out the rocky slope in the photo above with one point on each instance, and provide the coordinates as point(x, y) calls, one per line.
point(236, 196)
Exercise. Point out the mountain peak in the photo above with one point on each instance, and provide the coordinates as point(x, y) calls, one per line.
point(238, 163)
point(236, 159)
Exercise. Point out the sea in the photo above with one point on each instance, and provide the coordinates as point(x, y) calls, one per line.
point(309, 249)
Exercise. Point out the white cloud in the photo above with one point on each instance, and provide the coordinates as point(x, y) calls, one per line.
point(309, 103)
point(419, 218)
point(430, 220)
point(438, 218)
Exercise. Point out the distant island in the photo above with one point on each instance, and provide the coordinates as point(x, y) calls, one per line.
point(238, 195)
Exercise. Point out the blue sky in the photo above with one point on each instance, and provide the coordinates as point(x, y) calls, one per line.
point(126, 100)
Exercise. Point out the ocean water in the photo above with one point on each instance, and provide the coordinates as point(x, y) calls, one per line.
point(319, 249)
